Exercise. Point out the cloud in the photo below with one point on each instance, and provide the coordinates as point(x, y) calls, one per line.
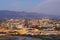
point(48, 7)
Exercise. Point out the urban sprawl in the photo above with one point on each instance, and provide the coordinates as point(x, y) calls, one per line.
point(43, 26)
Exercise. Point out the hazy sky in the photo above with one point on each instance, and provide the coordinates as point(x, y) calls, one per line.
point(19, 5)
point(51, 7)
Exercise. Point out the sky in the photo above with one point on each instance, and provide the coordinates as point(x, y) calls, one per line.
point(19, 5)
point(39, 6)
point(51, 7)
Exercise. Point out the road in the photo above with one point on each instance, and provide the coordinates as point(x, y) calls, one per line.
point(18, 38)
point(29, 38)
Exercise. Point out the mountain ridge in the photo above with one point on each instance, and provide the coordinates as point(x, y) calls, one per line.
point(15, 14)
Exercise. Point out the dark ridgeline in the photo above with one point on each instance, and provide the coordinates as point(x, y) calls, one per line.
point(15, 14)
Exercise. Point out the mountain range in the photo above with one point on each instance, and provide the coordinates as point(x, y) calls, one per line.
point(15, 14)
